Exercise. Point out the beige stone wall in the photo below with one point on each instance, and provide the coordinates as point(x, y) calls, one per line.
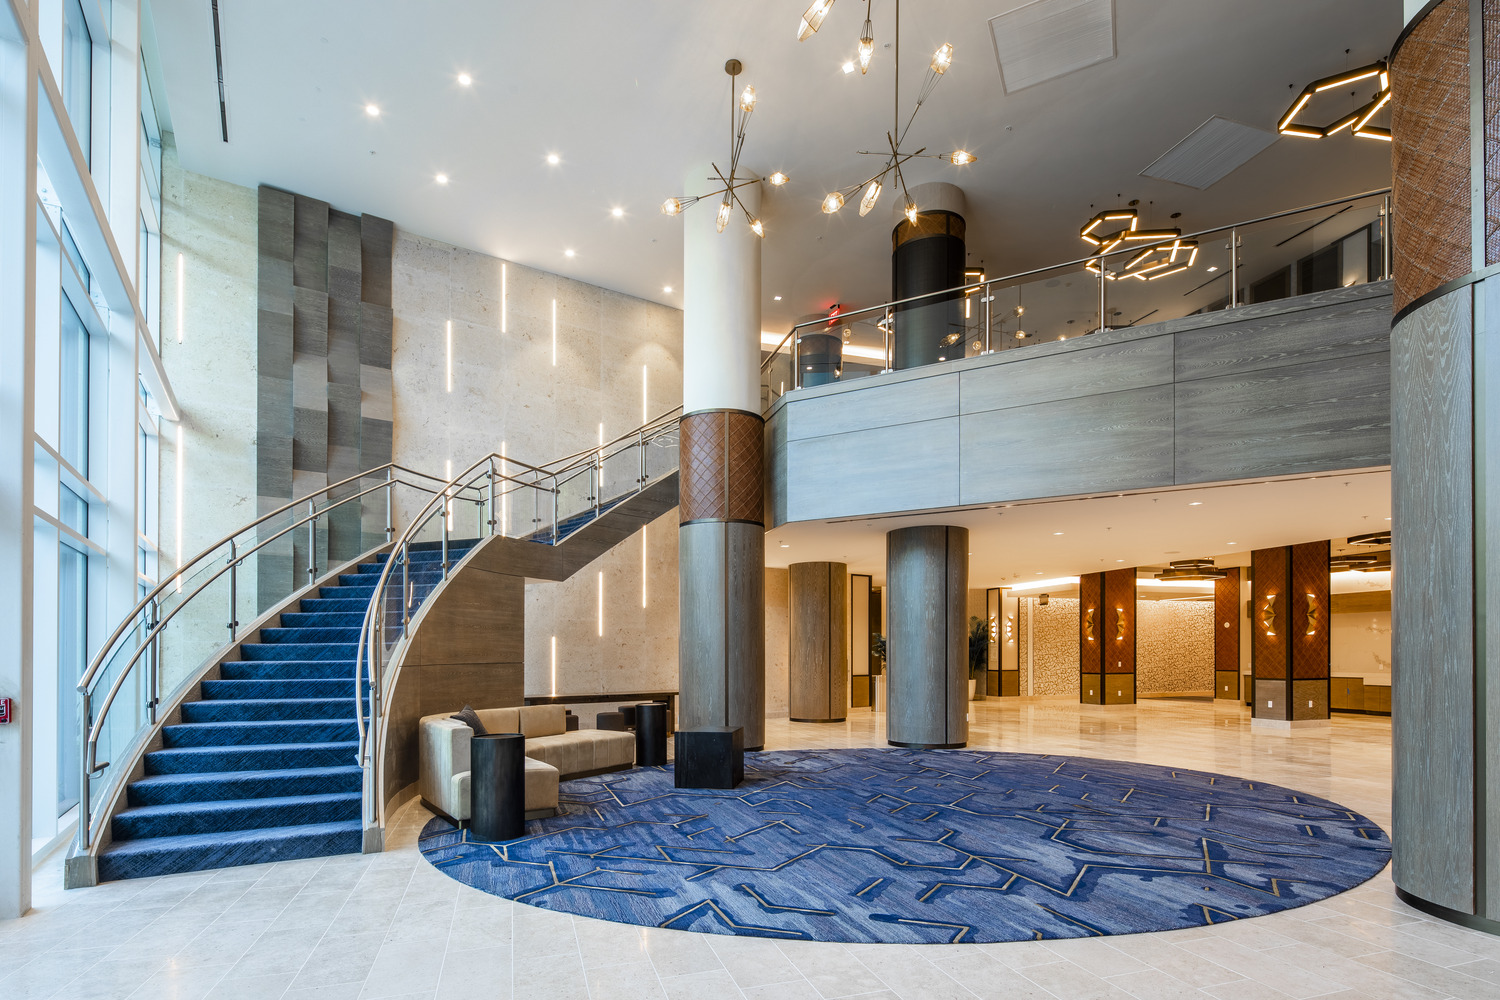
point(1360, 645)
point(453, 407)
point(1048, 644)
point(1174, 647)
point(778, 644)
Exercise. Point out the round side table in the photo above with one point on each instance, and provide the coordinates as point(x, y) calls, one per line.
point(497, 786)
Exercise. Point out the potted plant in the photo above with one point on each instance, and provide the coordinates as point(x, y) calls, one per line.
point(877, 668)
point(979, 647)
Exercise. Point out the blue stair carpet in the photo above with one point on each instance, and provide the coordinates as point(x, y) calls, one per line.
point(264, 767)
point(568, 525)
point(924, 847)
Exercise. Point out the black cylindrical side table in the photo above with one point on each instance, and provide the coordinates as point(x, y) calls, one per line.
point(497, 786)
point(650, 734)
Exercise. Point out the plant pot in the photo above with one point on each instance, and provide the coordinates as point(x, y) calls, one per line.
point(972, 685)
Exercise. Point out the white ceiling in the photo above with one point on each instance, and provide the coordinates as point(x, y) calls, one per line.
point(629, 94)
point(1014, 544)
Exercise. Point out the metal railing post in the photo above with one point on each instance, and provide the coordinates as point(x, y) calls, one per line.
point(234, 566)
point(890, 321)
point(556, 489)
point(1385, 239)
point(86, 766)
point(405, 585)
point(1234, 266)
point(1102, 326)
point(390, 487)
point(493, 517)
point(312, 542)
point(796, 361)
point(447, 502)
point(640, 443)
point(989, 294)
point(598, 481)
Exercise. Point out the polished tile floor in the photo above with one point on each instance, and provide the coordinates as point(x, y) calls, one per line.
point(389, 925)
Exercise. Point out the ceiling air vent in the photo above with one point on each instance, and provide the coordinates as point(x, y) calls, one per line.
point(1046, 39)
point(1211, 152)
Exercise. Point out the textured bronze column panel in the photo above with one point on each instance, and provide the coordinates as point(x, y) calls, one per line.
point(1091, 618)
point(722, 466)
point(1119, 631)
point(1269, 619)
point(1492, 132)
point(1307, 632)
point(1430, 154)
point(1227, 629)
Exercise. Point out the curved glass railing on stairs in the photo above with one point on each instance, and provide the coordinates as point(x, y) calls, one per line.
point(1330, 245)
point(497, 495)
point(210, 602)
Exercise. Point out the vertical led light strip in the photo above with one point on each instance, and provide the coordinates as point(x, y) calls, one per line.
point(181, 286)
point(643, 566)
point(181, 449)
point(448, 348)
point(554, 333)
point(601, 602)
point(554, 666)
point(502, 296)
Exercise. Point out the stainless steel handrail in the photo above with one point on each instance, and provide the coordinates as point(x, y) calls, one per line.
point(369, 666)
point(1135, 249)
point(156, 622)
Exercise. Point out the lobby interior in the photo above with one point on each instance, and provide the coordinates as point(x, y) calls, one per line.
point(1058, 470)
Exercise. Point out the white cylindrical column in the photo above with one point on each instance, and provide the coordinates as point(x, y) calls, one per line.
point(721, 559)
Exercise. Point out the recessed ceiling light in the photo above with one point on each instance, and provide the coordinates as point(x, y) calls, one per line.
point(1038, 572)
point(667, 289)
point(1057, 532)
point(373, 110)
point(617, 212)
point(1196, 503)
point(848, 67)
point(570, 252)
point(465, 79)
point(786, 545)
point(777, 297)
point(1119, 560)
point(1231, 543)
point(554, 159)
point(1212, 269)
point(441, 178)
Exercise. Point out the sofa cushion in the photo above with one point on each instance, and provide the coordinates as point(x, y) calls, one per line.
point(570, 753)
point(444, 752)
point(500, 720)
point(544, 720)
point(470, 718)
point(613, 749)
point(541, 789)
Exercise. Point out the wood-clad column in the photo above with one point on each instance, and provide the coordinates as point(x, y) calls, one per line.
point(1289, 645)
point(1107, 637)
point(1091, 638)
point(1445, 469)
point(927, 638)
point(818, 609)
point(721, 555)
point(1227, 636)
point(864, 613)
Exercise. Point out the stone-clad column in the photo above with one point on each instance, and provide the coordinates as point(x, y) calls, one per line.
point(927, 637)
point(1445, 461)
point(721, 649)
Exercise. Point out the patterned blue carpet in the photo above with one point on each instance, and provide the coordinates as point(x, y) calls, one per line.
point(928, 846)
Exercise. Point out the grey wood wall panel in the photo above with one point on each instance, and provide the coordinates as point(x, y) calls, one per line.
point(721, 647)
point(903, 467)
point(818, 611)
point(1432, 725)
point(745, 572)
point(1343, 329)
point(776, 472)
point(1111, 368)
point(1314, 417)
point(906, 402)
point(926, 637)
point(703, 698)
point(310, 254)
point(1487, 554)
point(1114, 441)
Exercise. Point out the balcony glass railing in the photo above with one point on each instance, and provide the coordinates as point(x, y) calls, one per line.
point(1318, 248)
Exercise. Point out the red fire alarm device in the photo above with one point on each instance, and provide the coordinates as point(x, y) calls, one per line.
point(4, 711)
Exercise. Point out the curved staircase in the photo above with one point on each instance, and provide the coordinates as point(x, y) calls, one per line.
point(264, 767)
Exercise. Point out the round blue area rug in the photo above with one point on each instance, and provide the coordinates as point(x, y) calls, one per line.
point(917, 847)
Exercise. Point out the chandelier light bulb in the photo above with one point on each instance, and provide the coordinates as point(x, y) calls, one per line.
point(465, 80)
point(757, 228)
point(833, 203)
point(872, 195)
point(866, 47)
point(911, 212)
point(962, 157)
point(812, 19)
point(778, 178)
point(942, 59)
point(671, 207)
point(723, 219)
point(747, 100)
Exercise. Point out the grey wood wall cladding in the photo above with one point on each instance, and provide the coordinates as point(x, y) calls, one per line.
point(323, 369)
point(724, 652)
point(1432, 701)
point(1296, 386)
point(927, 646)
point(818, 613)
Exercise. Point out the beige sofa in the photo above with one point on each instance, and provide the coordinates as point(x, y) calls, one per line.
point(552, 754)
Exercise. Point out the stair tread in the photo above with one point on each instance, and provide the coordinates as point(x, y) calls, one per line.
point(188, 841)
point(222, 805)
point(210, 777)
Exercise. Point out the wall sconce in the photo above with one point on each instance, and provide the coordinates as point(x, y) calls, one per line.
point(994, 628)
point(1042, 600)
point(1088, 625)
point(1010, 628)
point(1119, 624)
point(1312, 615)
point(1268, 615)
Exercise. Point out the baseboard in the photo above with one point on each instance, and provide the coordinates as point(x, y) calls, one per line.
point(1287, 725)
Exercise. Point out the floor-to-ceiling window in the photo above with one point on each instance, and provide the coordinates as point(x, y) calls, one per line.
point(78, 73)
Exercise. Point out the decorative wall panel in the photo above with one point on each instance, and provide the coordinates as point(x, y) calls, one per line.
point(1309, 632)
point(1091, 618)
point(723, 466)
point(1226, 628)
point(1048, 644)
point(1175, 648)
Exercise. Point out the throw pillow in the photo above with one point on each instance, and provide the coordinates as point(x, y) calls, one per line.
point(470, 718)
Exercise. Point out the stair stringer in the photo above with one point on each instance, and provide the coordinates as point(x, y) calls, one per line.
point(466, 645)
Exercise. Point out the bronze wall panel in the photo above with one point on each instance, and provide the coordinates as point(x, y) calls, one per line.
point(1268, 647)
point(1491, 132)
point(1430, 154)
point(1227, 626)
point(1090, 650)
point(1119, 604)
point(722, 466)
point(1308, 632)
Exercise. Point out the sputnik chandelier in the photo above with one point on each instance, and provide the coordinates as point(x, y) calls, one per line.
point(893, 153)
point(1169, 254)
point(812, 20)
point(1358, 121)
point(728, 198)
